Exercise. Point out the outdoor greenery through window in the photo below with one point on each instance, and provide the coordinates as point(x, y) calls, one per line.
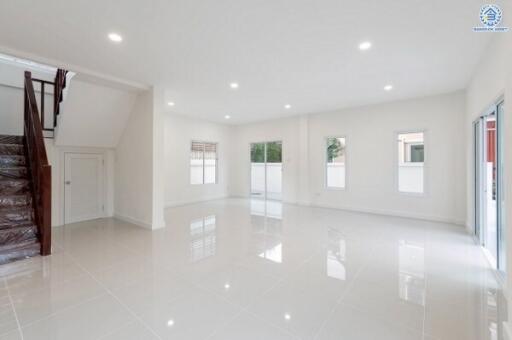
point(336, 153)
point(274, 151)
point(203, 163)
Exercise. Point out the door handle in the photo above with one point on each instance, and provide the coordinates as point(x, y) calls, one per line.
point(67, 182)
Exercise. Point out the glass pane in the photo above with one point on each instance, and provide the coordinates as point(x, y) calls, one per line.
point(258, 170)
point(490, 187)
point(210, 163)
point(258, 153)
point(274, 168)
point(336, 162)
point(274, 152)
point(196, 163)
point(411, 155)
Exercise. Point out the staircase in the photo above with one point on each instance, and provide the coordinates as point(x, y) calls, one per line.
point(18, 229)
point(25, 177)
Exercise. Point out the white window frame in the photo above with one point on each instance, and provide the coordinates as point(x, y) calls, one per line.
point(426, 162)
point(324, 147)
point(203, 167)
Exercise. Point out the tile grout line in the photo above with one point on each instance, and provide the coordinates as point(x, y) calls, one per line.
point(340, 299)
point(109, 292)
point(280, 281)
point(246, 308)
point(11, 301)
point(63, 310)
point(115, 330)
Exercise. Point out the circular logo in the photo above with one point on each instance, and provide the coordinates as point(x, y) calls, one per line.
point(490, 15)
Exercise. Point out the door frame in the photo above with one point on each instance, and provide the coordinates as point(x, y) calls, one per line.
point(265, 157)
point(480, 172)
point(101, 156)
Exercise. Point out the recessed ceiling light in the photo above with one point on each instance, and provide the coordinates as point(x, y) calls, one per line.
point(365, 45)
point(287, 316)
point(170, 323)
point(388, 87)
point(170, 103)
point(115, 37)
point(287, 106)
point(227, 286)
point(227, 117)
point(234, 85)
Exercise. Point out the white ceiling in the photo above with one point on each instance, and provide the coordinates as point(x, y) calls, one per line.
point(299, 52)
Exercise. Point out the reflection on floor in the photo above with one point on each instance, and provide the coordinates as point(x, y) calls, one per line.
point(203, 238)
point(239, 269)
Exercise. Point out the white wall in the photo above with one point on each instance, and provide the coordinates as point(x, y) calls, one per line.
point(371, 169)
point(12, 79)
point(94, 115)
point(11, 110)
point(179, 133)
point(134, 165)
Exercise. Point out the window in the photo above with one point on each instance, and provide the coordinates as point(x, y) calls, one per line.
point(411, 156)
point(335, 167)
point(203, 163)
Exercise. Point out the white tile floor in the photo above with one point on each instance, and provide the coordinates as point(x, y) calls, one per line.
point(239, 269)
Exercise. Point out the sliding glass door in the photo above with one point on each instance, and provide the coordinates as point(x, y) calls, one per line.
point(489, 202)
point(266, 170)
point(500, 183)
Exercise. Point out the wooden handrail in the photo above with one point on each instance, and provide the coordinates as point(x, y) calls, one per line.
point(40, 170)
point(60, 84)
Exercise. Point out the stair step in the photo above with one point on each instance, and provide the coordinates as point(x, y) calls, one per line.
point(13, 216)
point(7, 139)
point(12, 161)
point(12, 149)
point(15, 200)
point(12, 237)
point(22, 251)
point(18, 232)
point(14, 186)
point(14, 172)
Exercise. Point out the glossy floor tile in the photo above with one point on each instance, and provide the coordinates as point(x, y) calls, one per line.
point(242, 269)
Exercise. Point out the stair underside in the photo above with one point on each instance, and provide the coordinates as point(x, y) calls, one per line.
point(18, 231)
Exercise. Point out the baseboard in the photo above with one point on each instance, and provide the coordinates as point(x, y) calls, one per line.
point(430, 218)
point(182, 203)
point(133, 220)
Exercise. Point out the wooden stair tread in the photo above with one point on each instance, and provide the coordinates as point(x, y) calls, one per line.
point(20, 252)
point(11, 139)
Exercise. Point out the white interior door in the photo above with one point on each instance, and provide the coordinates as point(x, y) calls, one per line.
point(83, 187)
